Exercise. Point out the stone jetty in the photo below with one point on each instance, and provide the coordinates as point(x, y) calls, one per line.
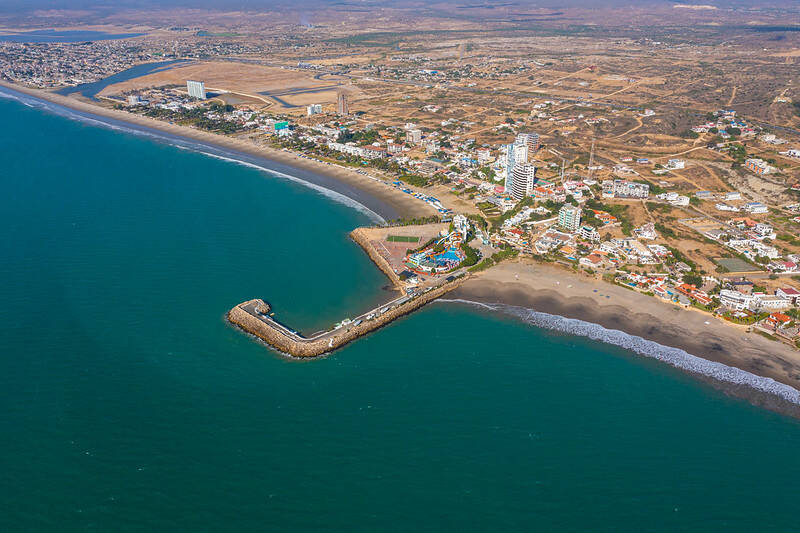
point(253, 316)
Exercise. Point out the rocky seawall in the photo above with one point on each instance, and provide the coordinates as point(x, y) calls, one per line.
point(253, 317)
point(359, 235)
point(279, 337)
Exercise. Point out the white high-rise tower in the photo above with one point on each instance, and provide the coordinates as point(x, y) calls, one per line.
point(196, 89)
point(524, 176)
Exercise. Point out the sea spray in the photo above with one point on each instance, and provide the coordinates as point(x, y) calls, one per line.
point(675, 357)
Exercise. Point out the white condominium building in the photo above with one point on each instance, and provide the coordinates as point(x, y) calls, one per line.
point(197, 89)
point(522, 181)
point(569, 217)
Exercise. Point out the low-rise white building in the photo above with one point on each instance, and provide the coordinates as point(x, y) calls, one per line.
point(735, 300)
point(732, 195)
point(758, 166)
point(789, 293)
point(764, 231)
point(755, 207)
point(646, 232)
point(589, 233)
point(765, 302)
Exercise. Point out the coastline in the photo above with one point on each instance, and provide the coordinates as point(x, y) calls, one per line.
point(253, 316)
point(377, 197)
point(542, 288)
point(524, 289)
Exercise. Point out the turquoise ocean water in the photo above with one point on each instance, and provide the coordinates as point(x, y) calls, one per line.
point(128, 404)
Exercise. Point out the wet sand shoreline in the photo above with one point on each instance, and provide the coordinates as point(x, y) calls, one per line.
point(523, 284)
point(377, 196)
point(560, 293)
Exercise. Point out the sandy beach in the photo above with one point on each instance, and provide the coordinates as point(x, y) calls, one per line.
point(384, 200)
point(523, 283)
point(557, 291)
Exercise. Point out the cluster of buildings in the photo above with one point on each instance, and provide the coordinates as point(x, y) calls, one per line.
point(624, 189)
point(570, 238)
point(726, 121)
point(747, 237)
point(724, 200)
point(740, 296)
point(445, 254)
point(369, 151)
point(53, 64)
point(520, 172)
point(48, 65)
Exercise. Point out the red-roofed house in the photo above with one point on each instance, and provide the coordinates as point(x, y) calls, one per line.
point(790, 293)
point(592, 261)
point(777, 320)
point(694, 293)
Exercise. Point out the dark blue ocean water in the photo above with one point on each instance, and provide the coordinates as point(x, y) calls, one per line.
point(128, 404)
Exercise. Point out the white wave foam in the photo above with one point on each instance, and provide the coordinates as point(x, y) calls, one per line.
point(189, 145)
point(675, 357)
point(63, 111)
point(329, 193)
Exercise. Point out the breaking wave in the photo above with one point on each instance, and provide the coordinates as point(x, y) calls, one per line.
point(675, 357)
point(187, 144)
point(329, 193)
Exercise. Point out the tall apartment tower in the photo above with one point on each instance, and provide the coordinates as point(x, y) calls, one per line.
point(341, 104)
point(510, 161)
point(196, 89)
point(521, 151)
point(531, 140)
point(523, 178)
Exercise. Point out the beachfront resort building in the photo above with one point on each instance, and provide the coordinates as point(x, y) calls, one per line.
point(569, 217)
point(461, 225)
point(523, 178)
point(196, 89)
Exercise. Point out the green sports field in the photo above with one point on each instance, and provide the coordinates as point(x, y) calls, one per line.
point(401, 238)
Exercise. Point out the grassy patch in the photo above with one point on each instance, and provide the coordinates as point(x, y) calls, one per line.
point(401, 238)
